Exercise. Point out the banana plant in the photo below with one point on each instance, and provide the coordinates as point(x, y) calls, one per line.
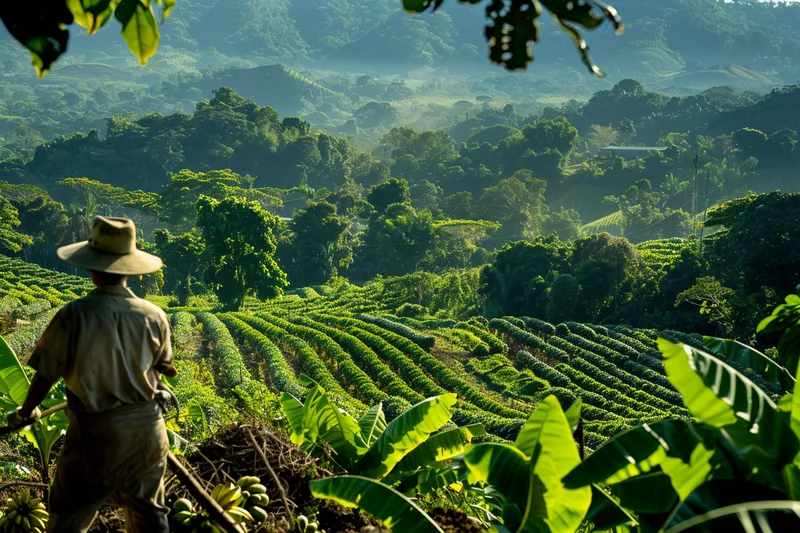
point(370, 447)
point(740, 448)
point(14, 385)
point(397, 512)
point(528, 473)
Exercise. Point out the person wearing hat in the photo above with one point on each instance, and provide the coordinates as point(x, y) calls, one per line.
point(110, 348)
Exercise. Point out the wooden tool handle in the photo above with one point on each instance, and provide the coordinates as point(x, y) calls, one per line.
point(215, 512)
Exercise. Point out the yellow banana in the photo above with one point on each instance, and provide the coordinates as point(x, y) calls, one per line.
point(36, 521)
point(233, 494)
point(41, 514)
point(34, 502)
point(216, 491)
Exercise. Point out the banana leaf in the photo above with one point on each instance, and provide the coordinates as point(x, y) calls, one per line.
point(397, 512)
point(735, 351)
point(573, 414)
point(13, 380)
point(547, 439)
point(679, 447)
point(322, 420)
point(440, 447)
point(718, 494)
point(508, 471)
point(752, 517)
point(606, 513)
point(718, 395)
point(372, 424)
point(405, 433)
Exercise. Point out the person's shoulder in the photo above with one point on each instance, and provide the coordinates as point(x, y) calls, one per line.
point(151, 310)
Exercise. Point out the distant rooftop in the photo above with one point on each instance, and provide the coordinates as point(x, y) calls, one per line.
point(634, 148)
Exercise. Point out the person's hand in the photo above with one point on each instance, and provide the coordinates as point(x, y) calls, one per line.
point(19, 420)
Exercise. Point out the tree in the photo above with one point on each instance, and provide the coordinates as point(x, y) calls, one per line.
point(176, 204)
point(11, 240)
point(392, 191)
point(318, 246)
point(563, 299)
point(713, 300)
point(515, 282)
point(183, 258)
point(395, 241)
point(241, 239)
point(627, 129)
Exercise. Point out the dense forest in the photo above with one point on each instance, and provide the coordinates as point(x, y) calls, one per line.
point(453, 295)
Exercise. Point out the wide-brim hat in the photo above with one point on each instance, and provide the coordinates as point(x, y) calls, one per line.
point(111, 248)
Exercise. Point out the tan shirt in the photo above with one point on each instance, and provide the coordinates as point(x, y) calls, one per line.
point(105, 346)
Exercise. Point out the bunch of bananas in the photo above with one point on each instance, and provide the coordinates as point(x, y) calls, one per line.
point(304, 525)
point(254, 497)
point(244, 502)
point(23, 514)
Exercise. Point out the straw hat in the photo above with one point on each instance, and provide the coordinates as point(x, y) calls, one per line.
point(111, 248)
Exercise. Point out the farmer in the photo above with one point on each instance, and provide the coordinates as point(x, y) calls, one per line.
point(109, 347)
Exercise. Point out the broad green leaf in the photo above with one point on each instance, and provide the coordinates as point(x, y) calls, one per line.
point(717, 494)
point(650, 493)
point(606, 513)
point(548, 438)
point(319, 419)
point(397, 512)
point(795, 413)
point(502, 466)
point(752, 517)
point(440, 447)
point(92, 14)
point(198, 416)
point(372, 424)
point(13, 380)
point(405, 433)
point(294, 412)
point(139, 28)
point(714, 393)
point(644, 448)
point(574, 414)
point(735, 351)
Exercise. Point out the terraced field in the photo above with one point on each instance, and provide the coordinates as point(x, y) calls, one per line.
point(661, 251)
point(499, 368)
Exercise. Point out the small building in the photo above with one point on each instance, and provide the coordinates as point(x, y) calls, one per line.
point(629, 152)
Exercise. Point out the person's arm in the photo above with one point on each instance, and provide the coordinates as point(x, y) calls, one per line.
point(37, 393)
point(164, 357)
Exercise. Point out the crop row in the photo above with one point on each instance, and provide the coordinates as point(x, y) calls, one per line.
point(279, 371)
point(417, 338)
point(368, 359)
point(440, 372)
point(350, 372)
point(312, 363)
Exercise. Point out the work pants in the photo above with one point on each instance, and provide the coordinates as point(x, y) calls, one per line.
point(117, 457)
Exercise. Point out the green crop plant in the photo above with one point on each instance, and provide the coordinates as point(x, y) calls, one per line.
point(397, 452)
point(14, 385)
point(741, 451)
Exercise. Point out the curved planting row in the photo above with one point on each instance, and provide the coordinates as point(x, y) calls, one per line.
point(279, 371)
point(446, 378)
point(230, 360)
point(368, 359)
point(350, 372)
point(312, 364)
point(417, 338)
